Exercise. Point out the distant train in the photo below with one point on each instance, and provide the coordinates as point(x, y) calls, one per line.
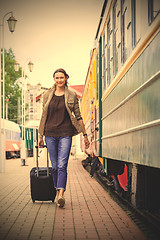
point(12, 139)
point(120, 104)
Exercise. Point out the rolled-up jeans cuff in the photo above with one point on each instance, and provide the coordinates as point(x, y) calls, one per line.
point(60, 189)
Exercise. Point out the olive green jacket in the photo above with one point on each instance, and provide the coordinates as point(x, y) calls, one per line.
point(72, 106)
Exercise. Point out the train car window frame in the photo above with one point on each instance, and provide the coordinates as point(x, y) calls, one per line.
point(152, 10)
point(103, 62)
point(8, 134)
point(97, 75)
point(108, 52)
point(115, 57)
point(133, 4)
point(123, 10)
point(137, 22)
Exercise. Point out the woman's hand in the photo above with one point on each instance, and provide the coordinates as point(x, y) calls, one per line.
point(40, 142)
point(86, 142)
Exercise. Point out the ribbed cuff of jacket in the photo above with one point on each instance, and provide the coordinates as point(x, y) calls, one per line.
point(80, 118)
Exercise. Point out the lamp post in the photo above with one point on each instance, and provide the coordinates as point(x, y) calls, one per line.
point(23, 143)
point(11, 24)
point(7, 100)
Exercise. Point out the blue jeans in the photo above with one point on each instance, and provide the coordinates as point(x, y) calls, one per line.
point(59, 150)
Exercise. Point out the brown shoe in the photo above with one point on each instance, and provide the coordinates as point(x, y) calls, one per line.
point(61, 201)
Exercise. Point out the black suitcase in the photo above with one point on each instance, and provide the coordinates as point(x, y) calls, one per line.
point(41, 182)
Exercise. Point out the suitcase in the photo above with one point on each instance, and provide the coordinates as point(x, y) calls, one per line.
point(41, 182)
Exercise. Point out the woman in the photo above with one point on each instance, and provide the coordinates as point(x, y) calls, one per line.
point(58, 125)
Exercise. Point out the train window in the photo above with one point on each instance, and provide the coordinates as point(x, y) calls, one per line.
point(108, 53)
point(103, 63)
point(136, 21)
point(18, 136)
point(97, 76)
point(128, 28)
point(133, 23)
point(115, 53)
point(153, 10)
point(7, 134)
point(15, 136)
point(123, 50)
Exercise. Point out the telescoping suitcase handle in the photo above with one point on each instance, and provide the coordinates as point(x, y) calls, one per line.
point(44, 146)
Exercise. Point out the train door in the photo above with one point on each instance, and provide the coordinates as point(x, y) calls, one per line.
point(100, 97)
point(95, 129)
point(91, 119)
point(92, 79)
point(95, 80)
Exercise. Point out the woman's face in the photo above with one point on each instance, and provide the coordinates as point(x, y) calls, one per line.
point(60, 79)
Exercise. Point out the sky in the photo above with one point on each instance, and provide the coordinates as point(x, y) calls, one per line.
point(52, 34)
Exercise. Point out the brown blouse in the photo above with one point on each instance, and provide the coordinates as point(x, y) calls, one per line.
point(58, 122)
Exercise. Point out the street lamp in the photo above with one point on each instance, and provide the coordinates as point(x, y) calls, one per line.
point(39, 86)
point(23, 148)
point(30, 66)
point(11, 23)
point(16, 66)
point(28, 86)
point(7, 100)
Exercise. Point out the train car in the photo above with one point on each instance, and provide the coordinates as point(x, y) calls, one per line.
point(31, 136)
point(128, 100)
point(28, 134)
point(88, 107)
point(12, 139)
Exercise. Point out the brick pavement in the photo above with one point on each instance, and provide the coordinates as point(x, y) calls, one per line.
point(89, 213)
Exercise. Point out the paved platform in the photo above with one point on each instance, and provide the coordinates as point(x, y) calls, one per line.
point(89, 213)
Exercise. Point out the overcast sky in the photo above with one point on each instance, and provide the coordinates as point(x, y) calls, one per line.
point(52, 34)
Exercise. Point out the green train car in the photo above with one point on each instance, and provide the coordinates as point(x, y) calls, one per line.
point(29, 138)
point(121, 101)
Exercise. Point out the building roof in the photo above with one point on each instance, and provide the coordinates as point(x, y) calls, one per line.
point(78, 89)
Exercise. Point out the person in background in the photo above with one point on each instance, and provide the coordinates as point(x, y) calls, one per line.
point(58, 124)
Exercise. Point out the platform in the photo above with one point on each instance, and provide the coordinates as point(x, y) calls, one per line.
point(89, 213)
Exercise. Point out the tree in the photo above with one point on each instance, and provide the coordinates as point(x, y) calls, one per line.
point(12, 89)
